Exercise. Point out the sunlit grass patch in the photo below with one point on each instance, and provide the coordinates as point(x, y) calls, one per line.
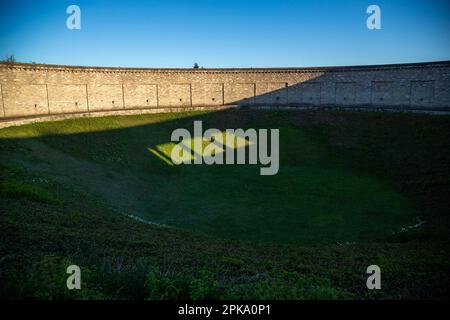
point(187, 152)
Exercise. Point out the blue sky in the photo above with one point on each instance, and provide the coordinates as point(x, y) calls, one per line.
point(233, 33)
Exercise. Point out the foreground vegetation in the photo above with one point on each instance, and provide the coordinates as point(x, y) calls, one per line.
point(354, 189)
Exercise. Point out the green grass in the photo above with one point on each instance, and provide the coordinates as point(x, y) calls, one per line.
point(348, 183)
point(315, 197)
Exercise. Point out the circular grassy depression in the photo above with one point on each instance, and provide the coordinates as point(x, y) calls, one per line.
point(321, 194)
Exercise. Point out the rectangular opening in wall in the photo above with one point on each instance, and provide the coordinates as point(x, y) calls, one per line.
point(271, 93)
point(345, 93)
point(174, 95)
point(422, 93)
point(311, 93)
point(105, 97)
point(382, 93)
point(67, 98)
point(140, 96)
point(25, 99)
point(207, 94)
point(239, 93)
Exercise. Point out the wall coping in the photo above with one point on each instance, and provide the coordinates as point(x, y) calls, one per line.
point(65, 68)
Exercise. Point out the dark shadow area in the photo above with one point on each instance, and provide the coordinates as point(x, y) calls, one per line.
point(331, 90)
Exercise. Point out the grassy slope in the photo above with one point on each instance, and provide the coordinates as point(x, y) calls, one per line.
point(316, 190)
point(400, 157)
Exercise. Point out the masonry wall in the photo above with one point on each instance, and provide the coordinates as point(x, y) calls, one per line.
point(29, 90)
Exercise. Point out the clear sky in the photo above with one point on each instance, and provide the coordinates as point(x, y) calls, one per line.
point(233, 33)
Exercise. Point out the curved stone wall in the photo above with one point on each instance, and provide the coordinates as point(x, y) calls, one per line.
point(36, 90)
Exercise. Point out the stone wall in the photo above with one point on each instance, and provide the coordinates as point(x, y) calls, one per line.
point(31, 90)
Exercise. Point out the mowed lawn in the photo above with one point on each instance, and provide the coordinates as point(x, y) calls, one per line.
point(319, 195)
point(353, 189)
